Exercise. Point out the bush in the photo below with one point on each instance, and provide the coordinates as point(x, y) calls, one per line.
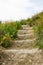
point(18, 25)
point(0, 22)
point(6, 41)
point(1, 35)
point(23, 22)
point(14, 35)
point(6, 44)
point(9, 27)
point(31, 22)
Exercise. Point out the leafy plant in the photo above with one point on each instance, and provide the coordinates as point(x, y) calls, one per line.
point(18, 25)
point(6, 41)
point(23, 22)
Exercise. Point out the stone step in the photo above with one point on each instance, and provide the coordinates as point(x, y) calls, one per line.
point(25, 51)
point(20, 57)
point(25, 31)
point(22, 44)
point(26, 36)
point(26, 27)
point(15, 54)
point(24, 41)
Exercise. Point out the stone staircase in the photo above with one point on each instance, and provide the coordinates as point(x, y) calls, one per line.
point(22, 51)
point(25, 38)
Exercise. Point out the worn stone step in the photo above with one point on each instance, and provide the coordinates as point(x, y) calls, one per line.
point(14, 54)
point(24, 41)
point(22, 57)
point(23, 44)
point(26, 27)
point(25, 31)
point(26, 36)
point(25, 51)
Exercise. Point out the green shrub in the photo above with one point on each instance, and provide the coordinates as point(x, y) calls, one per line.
point(6, 44)
point(1, 35)
point(0, 22)
point(6, 41)
point(14, 35)
point(18, 25)
point(31, 22)
point(23, 22)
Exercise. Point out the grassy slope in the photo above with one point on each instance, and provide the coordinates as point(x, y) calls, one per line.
point(38, 27)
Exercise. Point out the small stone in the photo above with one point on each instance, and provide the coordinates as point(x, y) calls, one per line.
point(12, 55)
point(9, 58)
point(3, 64)
point(30, 60)
point(0, 57)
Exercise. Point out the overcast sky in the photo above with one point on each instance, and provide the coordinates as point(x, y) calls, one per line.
point(19, 9)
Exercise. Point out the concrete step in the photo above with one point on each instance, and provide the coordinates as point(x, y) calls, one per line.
point(25, 31)
point(26, 27)
point(26, 36)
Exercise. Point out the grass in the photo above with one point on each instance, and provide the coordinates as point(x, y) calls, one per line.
point(38, 27)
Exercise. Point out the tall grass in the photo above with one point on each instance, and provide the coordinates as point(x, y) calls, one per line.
point(39, 30)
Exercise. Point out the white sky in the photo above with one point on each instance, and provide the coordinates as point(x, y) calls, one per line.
point(19, 9)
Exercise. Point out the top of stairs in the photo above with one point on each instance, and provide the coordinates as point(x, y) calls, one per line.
point(26, 27)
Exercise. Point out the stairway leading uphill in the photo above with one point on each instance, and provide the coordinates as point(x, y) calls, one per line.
point(25, 38)
point(22, 51)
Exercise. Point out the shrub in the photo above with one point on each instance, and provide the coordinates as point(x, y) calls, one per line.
point(6, 44)
point(23, 22)
point(18, 25)
point(31, 22)
point(6, 41)
point(14, 35)
point(9, 27)
point(0, 22)
point(1, 35)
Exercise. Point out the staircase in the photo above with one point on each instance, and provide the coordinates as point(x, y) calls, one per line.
point(22, 51)
point(25, 38)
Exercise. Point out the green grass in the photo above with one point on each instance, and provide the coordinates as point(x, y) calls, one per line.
point(38, 27)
